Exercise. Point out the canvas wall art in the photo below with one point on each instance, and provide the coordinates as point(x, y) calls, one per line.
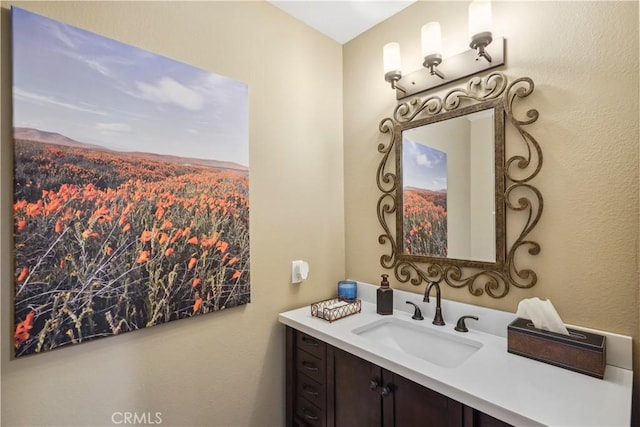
point(424, 199)
point(131, 191)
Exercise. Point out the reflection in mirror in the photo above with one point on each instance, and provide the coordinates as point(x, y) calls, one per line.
point(448, 188)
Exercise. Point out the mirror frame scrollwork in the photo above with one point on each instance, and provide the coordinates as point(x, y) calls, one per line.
point(514, 192)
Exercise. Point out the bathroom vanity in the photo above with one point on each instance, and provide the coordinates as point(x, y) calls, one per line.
point(331, 387)
point(373, 370)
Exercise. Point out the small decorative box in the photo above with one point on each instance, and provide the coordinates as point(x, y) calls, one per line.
point(579, 351)
point(335, 308)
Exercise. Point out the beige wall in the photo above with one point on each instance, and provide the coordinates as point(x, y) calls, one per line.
point(225, 368)
point(583, 58)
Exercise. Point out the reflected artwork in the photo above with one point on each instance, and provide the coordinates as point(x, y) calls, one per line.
point(424, 199)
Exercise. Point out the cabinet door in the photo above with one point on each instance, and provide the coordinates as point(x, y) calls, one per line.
point(354, 402)
point(475, 418)
point(411, 404)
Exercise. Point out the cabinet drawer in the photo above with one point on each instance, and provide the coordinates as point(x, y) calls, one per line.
point(309, 413)
point(311, 390)
point(311, 366)
point(310, 345)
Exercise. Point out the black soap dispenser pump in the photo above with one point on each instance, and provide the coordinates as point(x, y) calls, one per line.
point(385, 297)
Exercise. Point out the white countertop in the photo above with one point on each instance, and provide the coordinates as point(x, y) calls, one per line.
point(509, 387)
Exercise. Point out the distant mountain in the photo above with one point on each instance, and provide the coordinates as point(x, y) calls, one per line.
point(36, 135)
point(424, 190)
point(190, 161)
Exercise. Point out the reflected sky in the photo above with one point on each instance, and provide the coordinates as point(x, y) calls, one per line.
point(423, 167)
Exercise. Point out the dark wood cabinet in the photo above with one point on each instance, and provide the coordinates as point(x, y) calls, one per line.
point(366, 395)
point(306, 380)
point(330, 387)
point(355, 395)
point(479, 419)
point(415, 405)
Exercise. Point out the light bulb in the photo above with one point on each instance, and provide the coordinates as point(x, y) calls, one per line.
point(431, 39)
point(391, 57)
point(479, 17)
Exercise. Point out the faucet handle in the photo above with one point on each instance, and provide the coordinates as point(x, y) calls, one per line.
point(417, 314)
point(461, 326)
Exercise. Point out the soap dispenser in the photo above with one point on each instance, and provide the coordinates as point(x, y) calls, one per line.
point(384, 298)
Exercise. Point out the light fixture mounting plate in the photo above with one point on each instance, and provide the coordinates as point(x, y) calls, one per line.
point(454, 68)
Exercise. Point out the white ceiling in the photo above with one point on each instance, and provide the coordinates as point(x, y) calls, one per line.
point(341, 20)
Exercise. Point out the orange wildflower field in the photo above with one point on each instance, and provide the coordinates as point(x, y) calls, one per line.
point(424, 222)
point(109, 242)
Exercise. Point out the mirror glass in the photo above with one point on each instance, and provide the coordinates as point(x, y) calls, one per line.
point(448, 175)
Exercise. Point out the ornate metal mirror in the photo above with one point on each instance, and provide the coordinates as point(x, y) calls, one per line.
point(450, 188)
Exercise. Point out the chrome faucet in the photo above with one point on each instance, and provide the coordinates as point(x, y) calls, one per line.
point(437, 320)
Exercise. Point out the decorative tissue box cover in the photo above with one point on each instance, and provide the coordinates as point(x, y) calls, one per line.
point(335, 308)
point(579, 351)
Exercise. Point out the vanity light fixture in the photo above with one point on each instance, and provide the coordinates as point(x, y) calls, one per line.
point(432, 48)
point(391, 60)
point(480, 27)
point(439, 71)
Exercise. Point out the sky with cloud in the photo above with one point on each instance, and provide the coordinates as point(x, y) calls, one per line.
point(423, 167)
point(100, 91)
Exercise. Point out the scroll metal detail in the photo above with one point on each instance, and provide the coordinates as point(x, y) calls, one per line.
point(520, 197)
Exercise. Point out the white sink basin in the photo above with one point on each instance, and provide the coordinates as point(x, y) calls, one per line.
point(441, 348)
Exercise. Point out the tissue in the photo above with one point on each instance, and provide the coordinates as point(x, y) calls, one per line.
point(542, 314)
